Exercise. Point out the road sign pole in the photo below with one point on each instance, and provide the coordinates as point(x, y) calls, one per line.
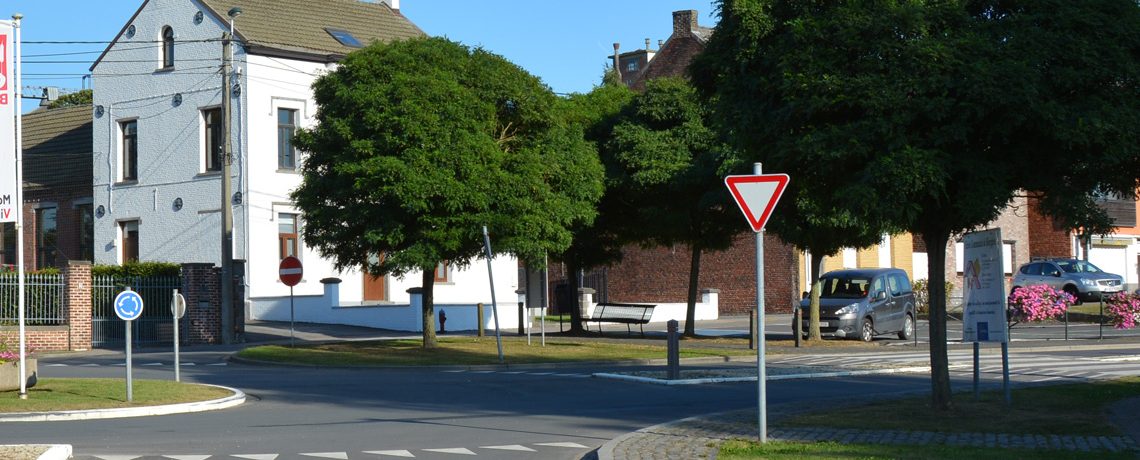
point(130, 392)
point(292, 318)
point(761, 374)
point(174, 302)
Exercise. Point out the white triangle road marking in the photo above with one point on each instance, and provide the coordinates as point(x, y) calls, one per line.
point(219, 364)
point(336, 455)
point(391, 453)
point(152, 364)
point(257, 456)
point(454, 450)
point(117, 457)
point(510, 447)
point(187, 457)
point(560, 444)
point(540, 373)
point(55, 365)
point(188, 364)
point(340, 456)
point(455, 371)
point(89, 365)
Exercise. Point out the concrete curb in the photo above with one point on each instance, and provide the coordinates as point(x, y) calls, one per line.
point(606, 452)
point(490, 367)
point(96, 414)
point(35, 451)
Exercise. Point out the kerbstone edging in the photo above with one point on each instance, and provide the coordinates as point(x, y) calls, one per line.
point(237, 398)
point(36, 452)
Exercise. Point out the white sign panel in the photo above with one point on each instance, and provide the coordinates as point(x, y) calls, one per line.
point(984, 291)
point(9, 208)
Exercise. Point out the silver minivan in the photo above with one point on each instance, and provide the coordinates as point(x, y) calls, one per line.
point(864, 302)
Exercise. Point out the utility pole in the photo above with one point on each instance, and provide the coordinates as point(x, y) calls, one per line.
point(227, 203)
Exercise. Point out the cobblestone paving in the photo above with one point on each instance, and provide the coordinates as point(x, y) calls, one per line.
point(700, 437)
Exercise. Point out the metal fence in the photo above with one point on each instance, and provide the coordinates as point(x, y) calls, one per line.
point(156, 324)
point(43, 299)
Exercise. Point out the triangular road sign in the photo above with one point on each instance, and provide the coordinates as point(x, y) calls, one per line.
point(757, 195)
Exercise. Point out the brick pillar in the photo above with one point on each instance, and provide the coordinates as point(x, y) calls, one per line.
point(77, 304)
point(203, 302)
point(239, 300)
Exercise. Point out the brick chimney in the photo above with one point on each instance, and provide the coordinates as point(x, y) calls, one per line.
point(394, 4)
point(684, 22)
point(617, 63)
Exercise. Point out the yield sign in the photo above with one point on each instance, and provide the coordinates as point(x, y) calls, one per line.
point(757, 195)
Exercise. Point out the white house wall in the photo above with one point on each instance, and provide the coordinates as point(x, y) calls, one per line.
point(129, 85)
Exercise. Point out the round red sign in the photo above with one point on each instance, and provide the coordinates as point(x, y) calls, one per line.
point(291, 271)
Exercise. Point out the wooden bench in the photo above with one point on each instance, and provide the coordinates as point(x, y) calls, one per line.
point(624, 313)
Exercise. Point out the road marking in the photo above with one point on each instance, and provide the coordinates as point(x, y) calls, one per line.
point(219, 364)
point(513, 372)
point(454, 450)
point(1119, 358)
point(188, 457)
point(540, 373)
point(257, 456)
point(510, 447)
point(336, 455)
point(456, 371)
point(188, 364)
point(56, 365)
point(561, 444)
point(89, 365)
point(117, 457)
point(481, 372)
point(391, 453)
point(152, 364)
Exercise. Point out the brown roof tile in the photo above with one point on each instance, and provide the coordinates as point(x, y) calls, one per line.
point(57, 147)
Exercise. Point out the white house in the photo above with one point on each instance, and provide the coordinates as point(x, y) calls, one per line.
point(157, 142)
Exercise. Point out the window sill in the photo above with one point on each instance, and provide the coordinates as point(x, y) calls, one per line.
point(127, 182)
point(208, 174)
point(287, 171)
point(166, 69)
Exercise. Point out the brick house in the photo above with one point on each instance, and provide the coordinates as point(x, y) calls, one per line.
point(1117, 253)
point(57, 190)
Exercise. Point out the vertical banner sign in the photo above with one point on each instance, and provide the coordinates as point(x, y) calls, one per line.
point(984, 291)
point(8, 183)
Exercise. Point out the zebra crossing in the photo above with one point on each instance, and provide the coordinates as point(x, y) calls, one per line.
point(1023, 367)
point(573, 375)
point(123, 364)
point(521, 451)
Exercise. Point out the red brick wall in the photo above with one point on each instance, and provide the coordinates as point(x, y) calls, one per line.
point(1046, 237)
point(68, 223)
point(39, 338)
point(203, 302)
point(77, 304)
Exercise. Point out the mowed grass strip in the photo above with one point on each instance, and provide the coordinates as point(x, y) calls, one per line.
point(1071, 409)
point(51, 395)
point(1078, 409)
point(778, 450)
point(471, 351)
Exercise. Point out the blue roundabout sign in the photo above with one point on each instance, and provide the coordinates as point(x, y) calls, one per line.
point(128, 305)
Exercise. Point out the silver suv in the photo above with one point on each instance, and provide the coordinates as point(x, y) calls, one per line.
point(1079, 278)
point(865, 302)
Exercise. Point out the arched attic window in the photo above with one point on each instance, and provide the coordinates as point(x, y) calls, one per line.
point(167, 47)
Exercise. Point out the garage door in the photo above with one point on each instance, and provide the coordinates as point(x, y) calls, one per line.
point(1112, 259)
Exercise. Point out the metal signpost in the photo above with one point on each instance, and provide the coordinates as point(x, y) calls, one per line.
point(129, 306)
point(178, 310)
point(494, 304)
point(984, 315)
point(757, 196)
point(291, 272)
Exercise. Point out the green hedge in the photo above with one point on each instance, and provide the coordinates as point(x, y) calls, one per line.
point(138, 269)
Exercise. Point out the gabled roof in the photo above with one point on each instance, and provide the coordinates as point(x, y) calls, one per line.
point(298, 28)
point(57, 147)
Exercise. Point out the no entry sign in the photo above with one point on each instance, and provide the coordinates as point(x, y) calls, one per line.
point(291, 271)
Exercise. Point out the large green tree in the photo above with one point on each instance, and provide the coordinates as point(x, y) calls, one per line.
point(930, 115)
point(599, 242)
point(420, 143)
point(672, 165)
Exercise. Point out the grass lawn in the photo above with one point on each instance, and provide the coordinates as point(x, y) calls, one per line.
point(50, 395)
point(477, 350)
point(1073, 409)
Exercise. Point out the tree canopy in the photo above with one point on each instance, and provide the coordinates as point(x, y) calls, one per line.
point(419, 143)
point(928, 116)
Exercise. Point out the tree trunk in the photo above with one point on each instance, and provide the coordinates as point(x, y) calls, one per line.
point(428, 286)
point(694, 277)
point(813, 308)
point(939, 364)
point(572, 283)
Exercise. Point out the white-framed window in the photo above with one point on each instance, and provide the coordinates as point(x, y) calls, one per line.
point(286, 128)
point(129, 150)
point(167, 47)
point(288, 229)
point(212, 146)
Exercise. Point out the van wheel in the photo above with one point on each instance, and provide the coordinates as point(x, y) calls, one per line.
point(867, 332)
point(908, 328)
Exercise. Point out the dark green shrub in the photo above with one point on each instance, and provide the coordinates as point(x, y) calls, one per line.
point(138, 269)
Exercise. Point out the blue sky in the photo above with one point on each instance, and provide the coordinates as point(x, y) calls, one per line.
point(563, 42)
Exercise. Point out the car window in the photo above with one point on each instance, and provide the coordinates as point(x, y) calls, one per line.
point(902, 283)
point(893, 282)
point(1078, 266)
point(839, 287)
point(877, 286)
point(1050, 270)
point(1031, 269)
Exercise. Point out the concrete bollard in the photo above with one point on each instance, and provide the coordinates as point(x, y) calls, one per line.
point(673, 371)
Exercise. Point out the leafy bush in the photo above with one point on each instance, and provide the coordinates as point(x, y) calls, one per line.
point(138, 269)
point(1123, 309)
point(922, 295)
